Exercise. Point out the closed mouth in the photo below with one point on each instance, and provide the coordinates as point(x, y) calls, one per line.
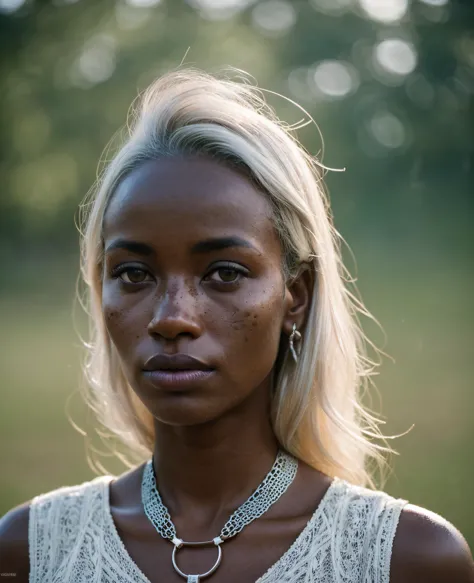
point(177, 378)
point(175, 363)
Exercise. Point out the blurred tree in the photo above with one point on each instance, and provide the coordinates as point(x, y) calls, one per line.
point(392, 92)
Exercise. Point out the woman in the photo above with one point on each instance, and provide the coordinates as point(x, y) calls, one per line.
point(226, 354)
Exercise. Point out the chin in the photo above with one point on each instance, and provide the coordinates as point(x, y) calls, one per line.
point(183, 410)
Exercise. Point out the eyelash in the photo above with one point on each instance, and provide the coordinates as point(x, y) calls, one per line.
point(117, 272)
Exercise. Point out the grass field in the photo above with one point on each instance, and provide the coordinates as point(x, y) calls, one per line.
point(427, 315)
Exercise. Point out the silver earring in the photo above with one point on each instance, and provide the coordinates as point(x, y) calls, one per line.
point(295, 335)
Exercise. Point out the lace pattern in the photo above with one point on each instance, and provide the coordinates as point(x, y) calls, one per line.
point(73, 539)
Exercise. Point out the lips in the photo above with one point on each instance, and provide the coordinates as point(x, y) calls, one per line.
point(174, 362)
point(176, 372)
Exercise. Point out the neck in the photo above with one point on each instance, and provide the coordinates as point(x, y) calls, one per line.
point(210, 469)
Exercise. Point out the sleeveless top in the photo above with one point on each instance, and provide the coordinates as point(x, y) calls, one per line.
point(72, 538)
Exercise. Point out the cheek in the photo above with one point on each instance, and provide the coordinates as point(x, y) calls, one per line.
point(257, 329)
point(122, 322)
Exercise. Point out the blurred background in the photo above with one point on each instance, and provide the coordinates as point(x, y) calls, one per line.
point(390, 84)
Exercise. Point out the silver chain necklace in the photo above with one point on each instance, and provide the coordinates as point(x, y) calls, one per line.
point(274, 485)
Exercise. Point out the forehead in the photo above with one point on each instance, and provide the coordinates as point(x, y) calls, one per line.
point(190, 197)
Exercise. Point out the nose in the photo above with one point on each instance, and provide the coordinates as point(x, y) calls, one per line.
point(175, 313)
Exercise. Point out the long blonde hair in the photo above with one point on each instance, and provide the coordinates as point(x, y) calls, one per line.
point(317, 413)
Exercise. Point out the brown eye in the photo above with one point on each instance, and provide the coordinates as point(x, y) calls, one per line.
point(133, 275)
point(227, 274)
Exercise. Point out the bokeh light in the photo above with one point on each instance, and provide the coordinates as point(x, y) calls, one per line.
point(8, 6)
point(435, 2)
point(274, 17)
point(388, 130)
point(131, 17)
point(143, 3)
point(386, 11)
point(396, 56)
point(332, 7)
point(335, 79)
point(96, 63)
point(219, 9)
point(298, 83)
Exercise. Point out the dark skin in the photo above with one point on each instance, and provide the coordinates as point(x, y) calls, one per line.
point(214, 443)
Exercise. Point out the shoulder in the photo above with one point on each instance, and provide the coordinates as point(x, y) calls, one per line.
point(39, 520)
point(408, 544)
point(429, 548)
point(14, 556)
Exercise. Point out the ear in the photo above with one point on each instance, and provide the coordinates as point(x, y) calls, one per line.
point(299, 292)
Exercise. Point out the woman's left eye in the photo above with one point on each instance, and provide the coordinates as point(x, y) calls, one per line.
point(229, 273)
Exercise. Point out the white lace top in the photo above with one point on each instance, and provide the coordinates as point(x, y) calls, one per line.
point(73, 539)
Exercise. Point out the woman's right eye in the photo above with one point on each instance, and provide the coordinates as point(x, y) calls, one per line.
point(131, 275)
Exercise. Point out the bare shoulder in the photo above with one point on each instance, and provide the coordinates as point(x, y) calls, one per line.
point(429, 548)
point(14, 557)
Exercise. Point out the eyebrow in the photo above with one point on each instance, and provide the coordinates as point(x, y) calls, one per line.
point(205, 246)
point(132, 246)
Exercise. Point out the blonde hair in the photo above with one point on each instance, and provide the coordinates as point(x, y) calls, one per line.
point(317, 413)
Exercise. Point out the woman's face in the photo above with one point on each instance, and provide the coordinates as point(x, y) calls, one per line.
point(192, 266)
